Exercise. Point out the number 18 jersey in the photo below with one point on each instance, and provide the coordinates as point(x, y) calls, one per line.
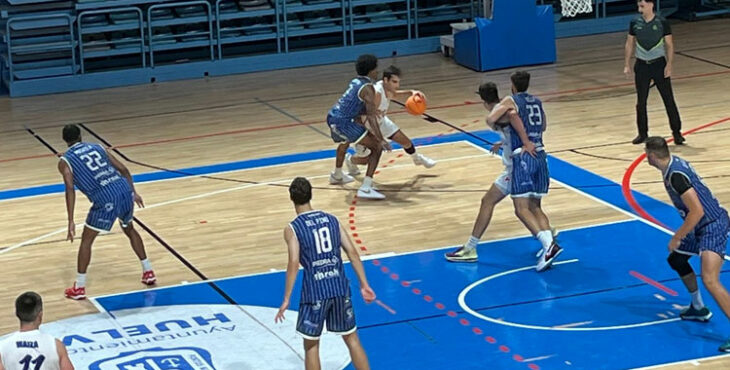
point(319, 239)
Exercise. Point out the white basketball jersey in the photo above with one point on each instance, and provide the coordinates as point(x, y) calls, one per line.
point(384, 101)
point(29, 350)
point(506, 146)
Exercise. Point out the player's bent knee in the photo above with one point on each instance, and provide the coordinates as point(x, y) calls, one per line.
point(679, 263)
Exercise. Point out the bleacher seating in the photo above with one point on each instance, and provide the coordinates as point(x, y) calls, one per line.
point(45, 39)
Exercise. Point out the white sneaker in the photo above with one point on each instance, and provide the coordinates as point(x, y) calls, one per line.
point(352, 169)
point(345, 179)
point(421, 160)
point(547, 258)
point(555, 233)
point(369, 193)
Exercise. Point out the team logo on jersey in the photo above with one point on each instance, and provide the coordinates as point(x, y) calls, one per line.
point(158, 359)
point(109, 207)
point(655, 27)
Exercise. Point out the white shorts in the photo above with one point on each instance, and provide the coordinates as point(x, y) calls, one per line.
point(387, 127)
point(504, 182)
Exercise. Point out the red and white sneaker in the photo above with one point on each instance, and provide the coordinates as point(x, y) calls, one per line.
point(75, 293)
point(148, 278)
point(547, 258)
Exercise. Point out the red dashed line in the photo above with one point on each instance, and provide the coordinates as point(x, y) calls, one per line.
point(394, 276)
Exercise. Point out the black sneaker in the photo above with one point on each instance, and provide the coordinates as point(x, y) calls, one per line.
point(639, 139)
point(701, 315)
point(679, 139)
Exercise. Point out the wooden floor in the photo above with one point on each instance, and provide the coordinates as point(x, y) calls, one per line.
point(228, 229)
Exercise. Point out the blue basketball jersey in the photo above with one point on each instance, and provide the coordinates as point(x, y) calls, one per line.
point(319, 254)
point(349, 105)
point(93, 173)
point(530, 110)
point(713, 209)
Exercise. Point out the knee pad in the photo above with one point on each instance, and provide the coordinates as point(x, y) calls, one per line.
point(679, 262)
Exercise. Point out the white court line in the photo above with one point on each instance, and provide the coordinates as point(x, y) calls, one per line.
point(363, 257)
point(692, 361)
point(203, 195)
point(573, 325)
point(466, 308)
point(215, 173)
point(636, 217)
point(538, 358)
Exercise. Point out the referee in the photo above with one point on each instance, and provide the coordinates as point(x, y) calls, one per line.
point(650, 33)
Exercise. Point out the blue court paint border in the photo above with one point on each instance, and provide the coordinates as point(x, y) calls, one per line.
point(560, 170)
point(225, 167)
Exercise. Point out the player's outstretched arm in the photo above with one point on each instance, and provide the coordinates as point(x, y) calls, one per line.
point(516, 122)
point(70, 194)
point(292, 267)
point(65, 361)
point(367, 292)
point(628, 52)
point(125, 172)
point(372, 102)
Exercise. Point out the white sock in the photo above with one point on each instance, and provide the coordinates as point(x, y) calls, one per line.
point(338, 172)
point(546, 238)
point(146, 265)
point(471, 243)
point(80, 280)
point(697, 300)
point(367, 183)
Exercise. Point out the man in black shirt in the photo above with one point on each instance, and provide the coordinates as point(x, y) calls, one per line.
point(650, 33)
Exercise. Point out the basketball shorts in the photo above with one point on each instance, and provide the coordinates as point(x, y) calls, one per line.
point(711, 237)
point(530, 175)
point(387, 127)
point(343, 130)
point(336, 312)
point(105, 211)
point(504, 181)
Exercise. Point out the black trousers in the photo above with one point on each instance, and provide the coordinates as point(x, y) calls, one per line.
point(644, 73)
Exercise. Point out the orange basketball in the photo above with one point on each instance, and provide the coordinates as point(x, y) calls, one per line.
point(415, 105)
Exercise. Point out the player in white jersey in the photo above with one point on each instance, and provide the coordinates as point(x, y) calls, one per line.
point(501, 187)
point(387, 88)
point(29, 348)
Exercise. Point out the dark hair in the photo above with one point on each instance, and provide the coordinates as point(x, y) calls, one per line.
point(488, 92)
point(658, 146)
point(521, 80)
point(27, 306)
point(71, 133)
point(391, 71)
point(300, 191)
point(365, 64)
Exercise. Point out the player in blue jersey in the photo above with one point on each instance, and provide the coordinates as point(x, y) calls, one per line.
point(314, 240)
point(109, 186)
point(501, 187)
point(354, 120)
point(530, 175)
point(704, 231)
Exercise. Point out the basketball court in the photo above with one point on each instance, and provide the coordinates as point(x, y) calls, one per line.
point(213, 159)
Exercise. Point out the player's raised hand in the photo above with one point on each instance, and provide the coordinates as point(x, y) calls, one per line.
point(138, 200)
point(280, 315)
point(367, 294)
point(71, 233)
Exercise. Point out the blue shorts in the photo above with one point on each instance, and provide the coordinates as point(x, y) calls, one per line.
point(336, 312)
point(345, 130)
point(530, 175)
point(710, 237)
point(104, 212)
